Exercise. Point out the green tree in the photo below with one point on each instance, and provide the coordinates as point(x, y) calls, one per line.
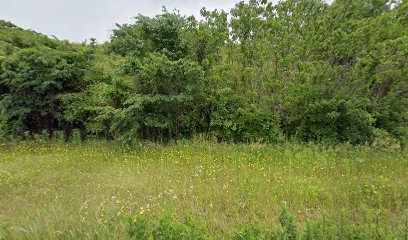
point(34, 80)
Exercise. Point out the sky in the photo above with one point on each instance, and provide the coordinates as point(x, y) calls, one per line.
point(79, 20)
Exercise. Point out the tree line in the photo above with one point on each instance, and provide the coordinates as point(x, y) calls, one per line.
point(262, 72)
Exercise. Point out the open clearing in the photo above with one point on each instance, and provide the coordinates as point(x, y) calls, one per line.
point(90, 190)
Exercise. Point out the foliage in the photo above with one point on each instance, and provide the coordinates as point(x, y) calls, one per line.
point(36, 79)
point(232, 120)
point(289, 230)
point(165, 228)
point(336, 120)
point(313, 231)
point(138, 228)
point(262, 72)
point(253, 232)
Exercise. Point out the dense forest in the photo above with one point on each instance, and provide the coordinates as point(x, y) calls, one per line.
point(297, 70)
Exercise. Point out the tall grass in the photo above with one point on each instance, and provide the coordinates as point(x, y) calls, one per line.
point(93, 190)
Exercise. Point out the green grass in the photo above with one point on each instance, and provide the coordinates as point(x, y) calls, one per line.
point(91, 190)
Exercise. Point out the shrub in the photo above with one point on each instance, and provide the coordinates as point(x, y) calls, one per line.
point(253, 232)
point(336, 120)
point(233, 121)
point(42, 137)
point(313, 231)
point(59, 136)
point(165, 228)
point(76, 136)
point(384, 140)
point(138, 228)
point(289, 230)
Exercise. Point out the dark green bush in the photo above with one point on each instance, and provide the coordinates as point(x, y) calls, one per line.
point(232, 120)
point(337, 120)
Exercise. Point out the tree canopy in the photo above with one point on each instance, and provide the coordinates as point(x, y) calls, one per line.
point(263, 72)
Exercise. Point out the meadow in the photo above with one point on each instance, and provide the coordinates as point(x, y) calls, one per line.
point(198, 189)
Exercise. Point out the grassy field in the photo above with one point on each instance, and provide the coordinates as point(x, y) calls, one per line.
point(97, 190)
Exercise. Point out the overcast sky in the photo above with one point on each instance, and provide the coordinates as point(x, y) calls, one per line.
point(78, 20)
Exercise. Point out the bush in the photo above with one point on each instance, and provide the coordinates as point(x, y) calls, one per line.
point(232, 121)
point(138, 228)
point(289, 230)
point(59, 136)
point(253, 232)
point(313, 231)
point(336, 120)
point(165, 228)
point(384, 140)
point(42, 137)
point(76, 136)
point(27, 136)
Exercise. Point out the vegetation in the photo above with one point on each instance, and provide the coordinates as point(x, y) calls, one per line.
point(201, 190)
point(270, 121)
point(299, 69)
